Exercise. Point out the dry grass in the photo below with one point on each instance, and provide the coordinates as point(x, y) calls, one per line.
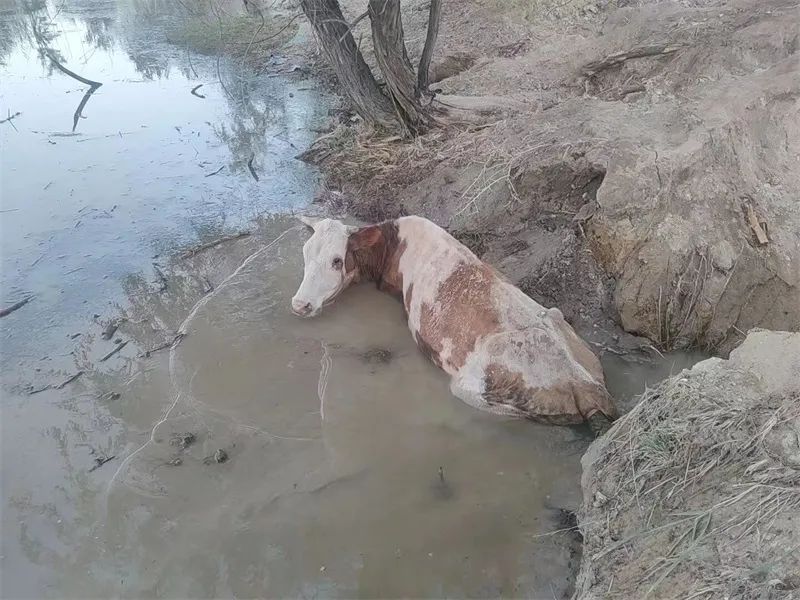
point(695, 496)
point(535, 11)
point(367, 160)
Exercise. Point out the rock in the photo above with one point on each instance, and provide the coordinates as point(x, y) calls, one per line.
point(219, 457)
point(183, 440)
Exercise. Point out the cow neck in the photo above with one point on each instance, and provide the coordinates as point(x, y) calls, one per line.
point(374, 252)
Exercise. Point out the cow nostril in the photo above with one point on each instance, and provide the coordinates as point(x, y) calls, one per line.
point(302, 308)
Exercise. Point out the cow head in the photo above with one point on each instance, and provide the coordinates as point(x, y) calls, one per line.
point(335, 256)
point(324, 273)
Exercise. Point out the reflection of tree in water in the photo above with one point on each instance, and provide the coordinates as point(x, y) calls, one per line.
point(13, 27)
point(253, 113)
point(99, 32)
point(142, 27)
point(245, 133)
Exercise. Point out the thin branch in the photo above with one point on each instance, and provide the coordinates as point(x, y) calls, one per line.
point(214, 244)
point(252, 169)
point(79, 111)
point(66, 71)
point(350, 26)
point(11, 118)
point(612, 60)
point(114, 351)
point(15, 306)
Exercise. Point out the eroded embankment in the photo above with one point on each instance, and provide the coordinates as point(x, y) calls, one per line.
point(631, 165)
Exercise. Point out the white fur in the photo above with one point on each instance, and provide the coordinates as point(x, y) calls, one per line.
point(531, 340)
point(321, 281)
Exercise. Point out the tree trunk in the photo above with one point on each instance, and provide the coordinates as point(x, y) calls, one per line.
point(427, 51)
point(344, 56)
point(390, 52)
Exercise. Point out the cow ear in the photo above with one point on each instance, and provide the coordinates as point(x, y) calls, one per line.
point(365, 237)
point(309, 222)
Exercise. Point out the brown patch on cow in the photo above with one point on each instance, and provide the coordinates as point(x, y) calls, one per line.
point(392, 279)
point(566, 404)
point(427, 350)
point(409, 296)
point(463, 313)
point(593, 398)
point(375, 252)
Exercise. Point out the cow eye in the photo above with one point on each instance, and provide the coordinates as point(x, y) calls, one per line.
point(337, 263)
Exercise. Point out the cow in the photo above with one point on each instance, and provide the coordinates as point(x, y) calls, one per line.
point(504, 352)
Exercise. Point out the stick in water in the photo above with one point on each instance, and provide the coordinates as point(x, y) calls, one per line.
point(15, 306)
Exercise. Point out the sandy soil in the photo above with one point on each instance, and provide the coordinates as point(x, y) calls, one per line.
point(628, 191)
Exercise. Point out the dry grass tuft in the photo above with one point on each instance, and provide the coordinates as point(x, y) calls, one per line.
point(368, 161)
point(697, 487)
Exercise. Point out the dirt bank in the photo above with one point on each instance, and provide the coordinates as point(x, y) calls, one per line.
point(696, 491)
point(634, 163)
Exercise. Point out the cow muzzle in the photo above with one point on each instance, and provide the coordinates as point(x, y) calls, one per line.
point(302, 308)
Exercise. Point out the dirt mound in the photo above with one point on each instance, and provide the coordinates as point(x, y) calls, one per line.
point(661, 141)
point(696, 492)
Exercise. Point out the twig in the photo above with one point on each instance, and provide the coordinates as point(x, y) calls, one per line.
point(41, 389)
point(252, 39)
point(10, 118)
point(250, 166)
point(215, 172)
point(755, 225)
point(280, 31)
point(99, 462)
point(194, 91)
point(592, 68)
point(79, 111)
point(170, 344)
point(219, 53)
point(114, 351)
point(66, 71)
point(214, 244)
point(69, 380)
point(58, 386)
point(15, 306)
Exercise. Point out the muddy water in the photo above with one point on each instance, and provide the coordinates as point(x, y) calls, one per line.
point(335, 431)
point(263, 456)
